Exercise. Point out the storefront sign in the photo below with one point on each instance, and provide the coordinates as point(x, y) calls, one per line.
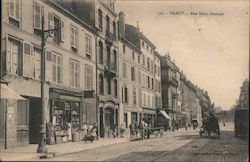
point(71, 98)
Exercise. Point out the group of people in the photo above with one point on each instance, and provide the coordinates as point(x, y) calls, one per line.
point(143, 128)
point(90, 130)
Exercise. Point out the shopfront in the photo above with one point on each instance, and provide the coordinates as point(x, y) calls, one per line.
point(65, 115)
point(149, 116)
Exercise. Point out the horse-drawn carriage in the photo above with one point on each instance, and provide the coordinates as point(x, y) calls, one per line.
point(210, 125)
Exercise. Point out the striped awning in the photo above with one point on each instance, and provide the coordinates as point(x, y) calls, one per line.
point(165, 114)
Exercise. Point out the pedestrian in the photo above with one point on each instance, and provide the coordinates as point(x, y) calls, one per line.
point(131, 128)
point(121, 131)
point(95, 129)
point(141, 125)
point(136, 129)
point(69, 130)
point(85, 129)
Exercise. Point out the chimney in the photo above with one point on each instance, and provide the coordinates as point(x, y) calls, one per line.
point(122, 24)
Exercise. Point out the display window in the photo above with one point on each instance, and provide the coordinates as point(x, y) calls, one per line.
point(63, 112)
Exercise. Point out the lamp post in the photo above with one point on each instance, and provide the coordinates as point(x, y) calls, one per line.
point(45, 34)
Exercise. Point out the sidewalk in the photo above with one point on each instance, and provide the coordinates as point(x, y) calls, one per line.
point(28, 153)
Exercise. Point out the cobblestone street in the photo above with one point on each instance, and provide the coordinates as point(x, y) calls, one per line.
point(182, 145)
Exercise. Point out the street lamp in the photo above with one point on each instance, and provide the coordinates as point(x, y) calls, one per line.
point(45, 34)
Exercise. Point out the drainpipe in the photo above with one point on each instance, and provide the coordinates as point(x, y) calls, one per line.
point(97, 96)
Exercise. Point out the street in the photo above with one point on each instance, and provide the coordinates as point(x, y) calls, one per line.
point(181, 145)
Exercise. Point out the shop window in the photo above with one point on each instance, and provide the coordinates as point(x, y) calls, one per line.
point(15, 12)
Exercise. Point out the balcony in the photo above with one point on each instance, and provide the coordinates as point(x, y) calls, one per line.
point(110, 69)
point(109, 37)
point(173, 81)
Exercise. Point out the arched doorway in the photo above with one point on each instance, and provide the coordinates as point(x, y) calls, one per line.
point(108, 121)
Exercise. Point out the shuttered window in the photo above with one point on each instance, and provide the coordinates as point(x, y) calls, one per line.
point(88, 46)
point(89, 77)
point(14, 57)
point(15, 12)
point(37, 16)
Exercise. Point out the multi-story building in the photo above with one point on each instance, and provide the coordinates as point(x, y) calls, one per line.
point(102, 15)
point(70, 66)
point(244, 96)
point(130, 80)
point(169, 87)
point(145, 72)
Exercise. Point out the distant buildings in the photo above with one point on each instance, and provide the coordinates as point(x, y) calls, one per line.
point(243, 101)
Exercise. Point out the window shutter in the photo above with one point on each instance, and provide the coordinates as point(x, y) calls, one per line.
point(76, 38)
point(17, 9)
point(48, 67)
point(27, 60)
point(61, 31)
point(11, 8)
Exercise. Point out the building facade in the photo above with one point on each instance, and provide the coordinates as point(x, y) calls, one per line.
point(69, 65)
point(102, 15)
point(244, 96)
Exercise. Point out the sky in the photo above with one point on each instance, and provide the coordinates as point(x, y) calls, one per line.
point(211, 47)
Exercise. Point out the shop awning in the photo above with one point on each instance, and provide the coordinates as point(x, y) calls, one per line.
point(7, 93)
point(165, 114)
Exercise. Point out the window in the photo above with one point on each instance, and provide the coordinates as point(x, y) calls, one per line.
point(139, 59)
point(139, 76)
point(134, 96)
point(74, 72)
point(126, 95)
point(100, 52)
point(88, 46)
point(74, 38)
point(124, 69)
point(57, 68)
point(148, 63)
point(115, 87)
point(89, 77)
point(152, 83)
point(14, 57)
point(115, 61)
point(133, 55)
point(37, 18)
point(114, 30)
point(14, 12)
point(140, 97)
point(37, 55)
point(149, 101)
point(148, 82)
point(132, 73)
point(28, 61)
point(144, 100)
point(142, 43)
point(101, 82)
point(107, 24)
point(109, 86)
point(100, 19)
point(143, 60)
point(153, 102)
point(56, 23)
point(124, 48)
